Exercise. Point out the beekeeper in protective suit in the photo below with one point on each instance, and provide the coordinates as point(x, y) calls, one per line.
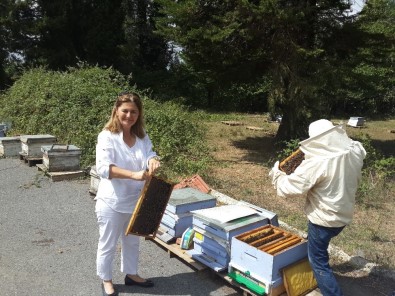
point(329, 177)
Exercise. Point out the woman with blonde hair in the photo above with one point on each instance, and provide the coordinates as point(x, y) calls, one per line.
point(124, 161)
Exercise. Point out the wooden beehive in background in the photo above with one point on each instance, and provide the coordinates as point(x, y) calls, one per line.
point(10, 146)
point(61, 157)
point(31, 144)
point(150, 208)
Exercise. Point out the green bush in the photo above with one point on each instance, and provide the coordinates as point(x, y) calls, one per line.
point(377, 171)
point(74, 106)
point(287, 148)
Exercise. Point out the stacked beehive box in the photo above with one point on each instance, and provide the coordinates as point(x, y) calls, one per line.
point(258, 256)
point(178, 217)
point(214, 229)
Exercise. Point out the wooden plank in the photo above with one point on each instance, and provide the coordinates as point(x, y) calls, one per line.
point(60, 176)
point(174, 249)
point(255, 128)
point(31, 161)
point(232, 123)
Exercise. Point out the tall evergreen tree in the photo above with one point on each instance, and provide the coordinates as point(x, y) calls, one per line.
point(371, 82)
point(144, 52)
point(295, 42)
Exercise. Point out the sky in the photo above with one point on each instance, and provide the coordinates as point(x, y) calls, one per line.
point(357, 6)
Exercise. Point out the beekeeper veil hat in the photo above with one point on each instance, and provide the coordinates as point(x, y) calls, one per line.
point(319, 127)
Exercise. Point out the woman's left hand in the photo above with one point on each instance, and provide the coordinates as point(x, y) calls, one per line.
point(153, 165)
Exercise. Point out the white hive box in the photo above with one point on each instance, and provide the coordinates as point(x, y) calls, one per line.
point(10, 146)
point(356, 121)
point(31, 144)
point(61, 158)
point(263, 252)
point(95, 180)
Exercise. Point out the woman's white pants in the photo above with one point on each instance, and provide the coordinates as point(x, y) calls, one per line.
point(113, 225)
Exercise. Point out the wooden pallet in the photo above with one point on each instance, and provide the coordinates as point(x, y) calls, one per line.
point(60, 176)
point(174, 250)
point(31, 161)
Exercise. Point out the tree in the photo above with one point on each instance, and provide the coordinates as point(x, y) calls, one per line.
point(144, 53)
point(293, 42)
point(371, 81)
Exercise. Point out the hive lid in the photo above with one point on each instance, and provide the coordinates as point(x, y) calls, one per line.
point(225, 214)
point(10, 139)
point(59, 148)
point(37, 138)
point(188, 196)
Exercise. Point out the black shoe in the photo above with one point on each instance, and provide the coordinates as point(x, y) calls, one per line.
point(105, 293)
point(130, 282)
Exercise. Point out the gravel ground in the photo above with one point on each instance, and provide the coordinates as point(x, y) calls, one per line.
point(48, 236)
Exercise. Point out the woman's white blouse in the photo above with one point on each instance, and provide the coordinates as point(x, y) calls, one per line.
point(121, 194)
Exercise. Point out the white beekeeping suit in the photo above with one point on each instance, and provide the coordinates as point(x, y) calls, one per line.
point(329, 175)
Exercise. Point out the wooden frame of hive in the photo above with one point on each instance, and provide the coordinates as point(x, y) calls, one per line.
point(289, 164)
point(263, 252)
point(150, 208)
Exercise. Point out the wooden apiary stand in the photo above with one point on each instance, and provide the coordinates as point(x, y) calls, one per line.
point(10, 146)
point(174, 250)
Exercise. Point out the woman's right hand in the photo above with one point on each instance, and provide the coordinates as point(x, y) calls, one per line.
point(140, 176)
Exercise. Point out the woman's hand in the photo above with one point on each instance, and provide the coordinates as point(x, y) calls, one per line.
point(153, 165)
point(140, 176)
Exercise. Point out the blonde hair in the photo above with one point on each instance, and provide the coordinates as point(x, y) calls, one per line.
point(113, 124)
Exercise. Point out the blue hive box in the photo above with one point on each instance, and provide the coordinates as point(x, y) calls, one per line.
point(178, 223)
point(218, 225)
point(178, 217)
point(185, 200)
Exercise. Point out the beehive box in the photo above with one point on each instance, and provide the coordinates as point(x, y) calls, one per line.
point(185, 200)
point(356, 121)
point(150, 208)
point(61, 157)
point(263, 252)
point(95, 180)
point(222, 222)
point(31, 144)
point(177, 223)
point(214, 220)
point(10, 146)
